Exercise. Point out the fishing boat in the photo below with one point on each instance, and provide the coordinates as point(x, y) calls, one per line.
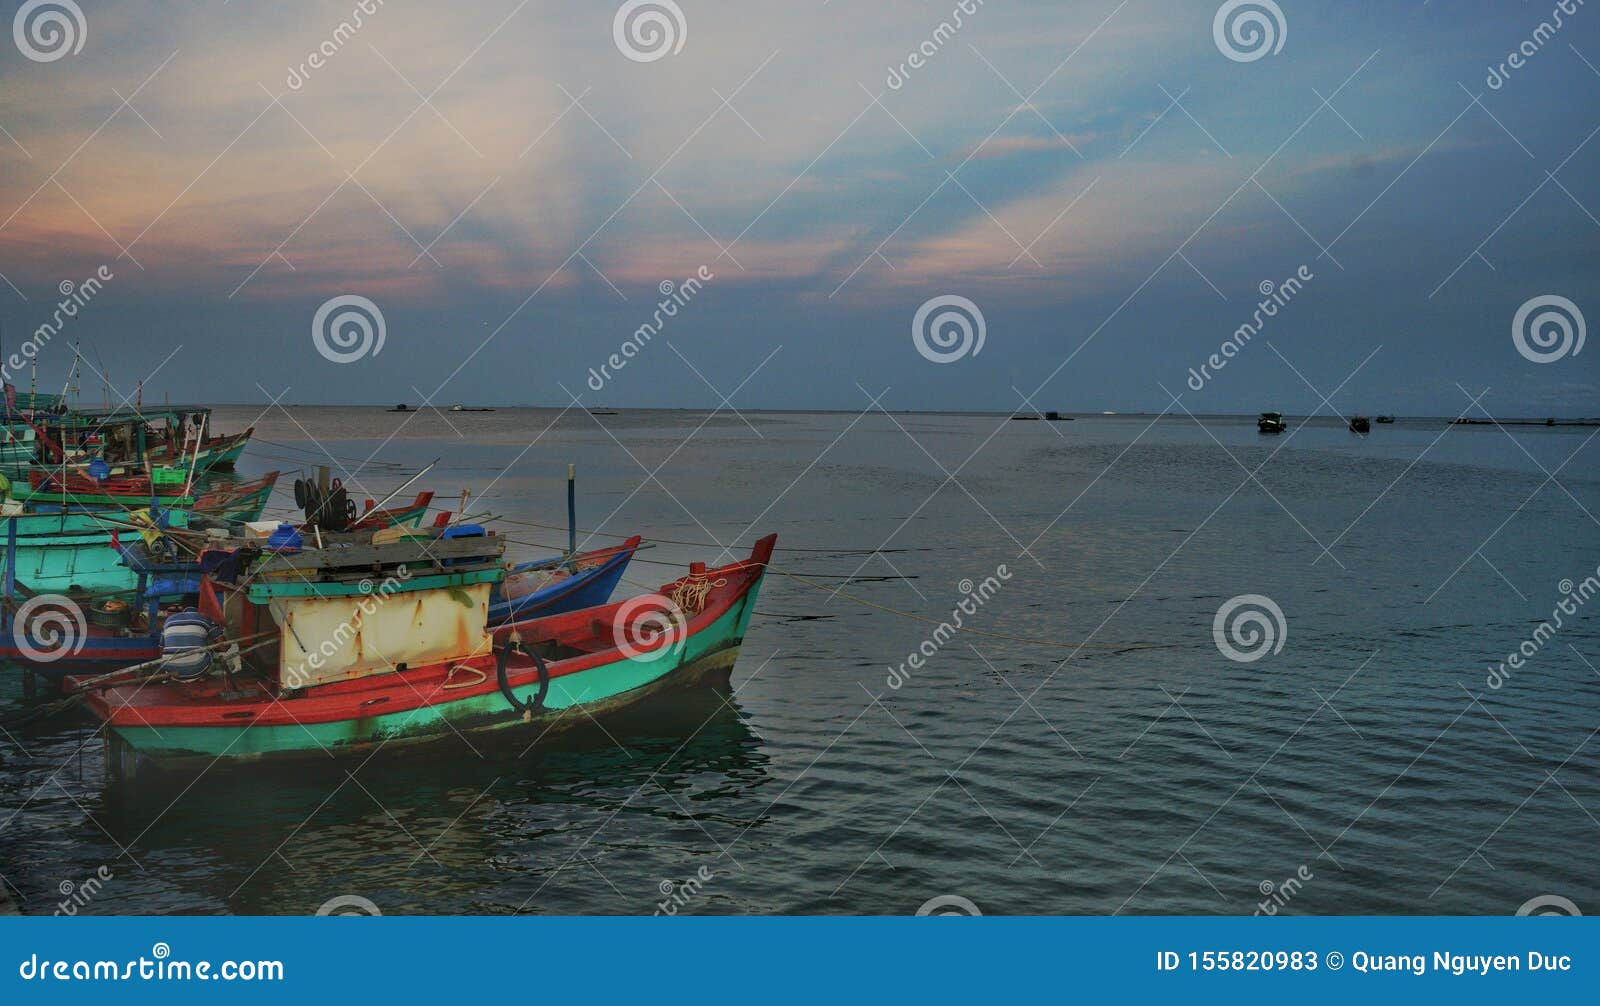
point(551, 586)
point(420, 664)
point(67, 544)
point(1384, 420)
point(217, 453)
point(71, 552)
point(131, 437)
point(239, 502)
point(1360, 424)
point(70, 489)
point(53, 635)
point(1271, 422)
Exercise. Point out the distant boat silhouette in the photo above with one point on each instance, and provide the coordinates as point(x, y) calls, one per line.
point(1271, 422)
point(1360, 424)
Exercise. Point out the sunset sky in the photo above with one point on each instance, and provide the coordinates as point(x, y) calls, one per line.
point(1102, 180)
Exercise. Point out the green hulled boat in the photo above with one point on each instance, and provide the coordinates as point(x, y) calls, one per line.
point(347, 666)
point(76, 553)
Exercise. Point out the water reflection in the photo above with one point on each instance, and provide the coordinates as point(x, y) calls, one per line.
point(438, 829)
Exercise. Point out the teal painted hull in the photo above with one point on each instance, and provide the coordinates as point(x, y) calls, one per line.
point(706, 658)
point(73, 565)
point(62, 553)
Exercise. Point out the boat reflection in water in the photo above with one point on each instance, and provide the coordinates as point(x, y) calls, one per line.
point(486, 825)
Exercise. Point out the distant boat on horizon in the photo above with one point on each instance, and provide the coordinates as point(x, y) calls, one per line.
point(1271, 422)
point(1360, 424)
point(1053, 416)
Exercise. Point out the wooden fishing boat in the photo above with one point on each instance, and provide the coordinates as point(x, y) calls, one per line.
point(76, 552)
point(166, 486)
point(216, 453)
point(131, 438)
point(1271, 422)
point(551, 586)
point(54, 636)
point(447, 673)
point(239, 502)
point(55, 490)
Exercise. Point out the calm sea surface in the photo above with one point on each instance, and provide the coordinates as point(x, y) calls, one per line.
point(1368, 760)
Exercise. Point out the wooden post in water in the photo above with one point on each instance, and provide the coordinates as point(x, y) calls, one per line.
point(572, 516)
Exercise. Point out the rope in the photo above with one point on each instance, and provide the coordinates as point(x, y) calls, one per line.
point(690, 595)
point(978, 632)
point(449, 679)
point(696, 544)
point(1061, 644)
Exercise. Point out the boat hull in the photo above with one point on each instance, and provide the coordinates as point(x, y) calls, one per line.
point(97, 654)
point(130, 757)
point(219, 454)
point(73, 553)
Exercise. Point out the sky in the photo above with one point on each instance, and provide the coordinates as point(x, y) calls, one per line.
point(510, 186)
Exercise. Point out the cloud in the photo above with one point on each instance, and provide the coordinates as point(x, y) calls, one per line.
point(1012, 146)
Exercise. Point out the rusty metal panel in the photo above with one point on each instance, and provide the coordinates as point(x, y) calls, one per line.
point(336, 639)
